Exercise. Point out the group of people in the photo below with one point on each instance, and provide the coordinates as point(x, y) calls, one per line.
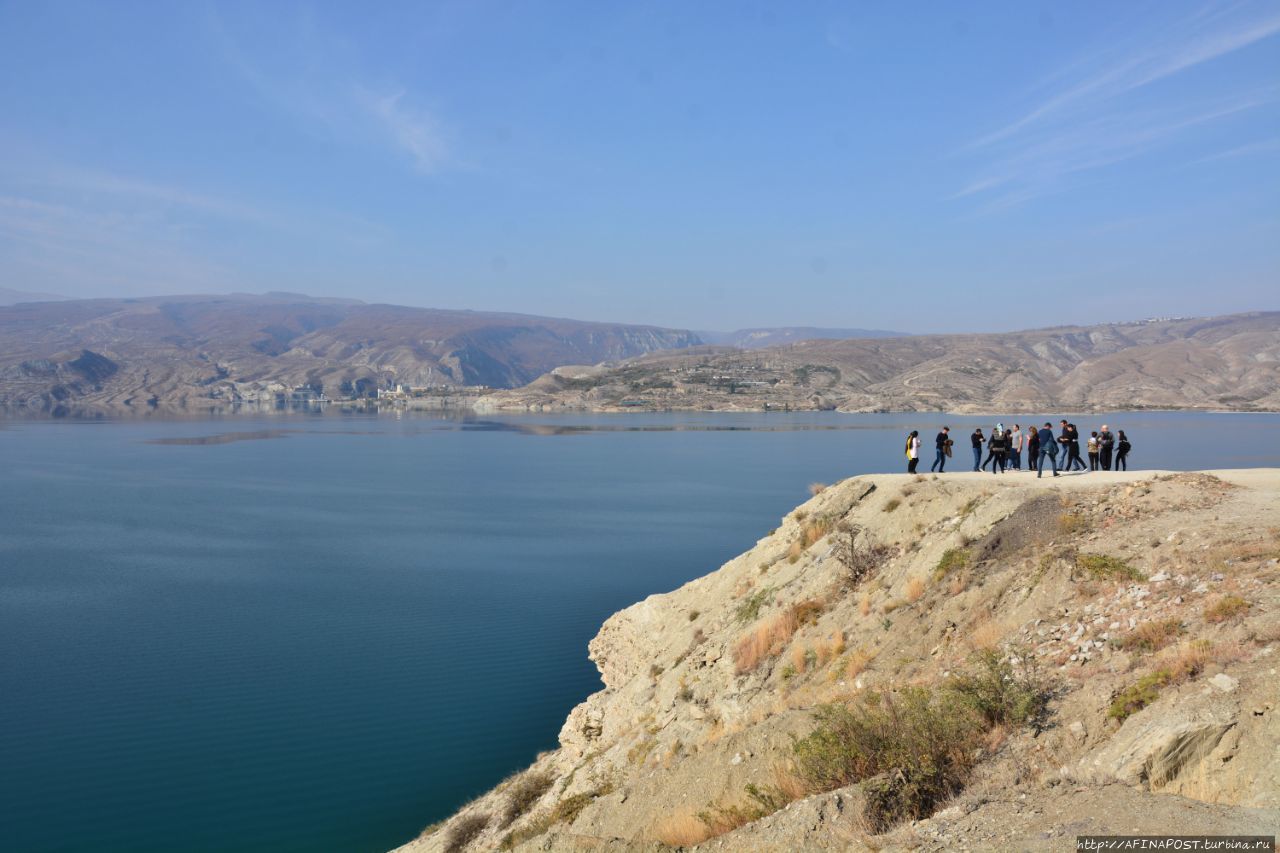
point(1004, 449)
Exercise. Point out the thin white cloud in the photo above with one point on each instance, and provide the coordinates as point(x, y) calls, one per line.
point(1094, 119)
point(310, 73)
point(1142, 66)
point(414, 131)
point(1265, 146)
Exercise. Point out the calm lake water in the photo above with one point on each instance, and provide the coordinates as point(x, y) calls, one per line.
point(323, 633)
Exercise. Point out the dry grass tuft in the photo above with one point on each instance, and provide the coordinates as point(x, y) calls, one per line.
point(1072, 522)
point(864, 606)
point(1152, 636)
point(987, 634)
point(816, 489)
point(915, 590)
point(1225, 608)
point(464, 830)
point(770, 637)
point(892, 504)
point(857, 664)
point(682, 829)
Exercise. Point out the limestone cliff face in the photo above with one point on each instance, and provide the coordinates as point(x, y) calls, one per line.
point(706, 686)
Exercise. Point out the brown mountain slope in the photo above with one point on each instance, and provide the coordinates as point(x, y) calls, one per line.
point(209, 350)
point(1223, 362)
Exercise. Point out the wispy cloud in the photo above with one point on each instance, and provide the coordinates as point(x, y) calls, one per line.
point(414, 131)
point(311, 73)
point(1092, 117)
point(1264, 146)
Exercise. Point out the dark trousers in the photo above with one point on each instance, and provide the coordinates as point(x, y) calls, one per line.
point(1093, 461)
point(1121, 463)
point(1073, 459)
point(1015, 459)
point(1104, 456)
point(911, 465)
point(1053, 461)
point(940, 463)
point(998, 461)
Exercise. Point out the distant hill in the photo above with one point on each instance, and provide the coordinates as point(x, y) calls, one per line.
point(782, 335)
point(1228, 362)
point(13, 297)
point(203, 351)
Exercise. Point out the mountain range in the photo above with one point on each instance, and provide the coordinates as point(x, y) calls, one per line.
point(1230, 362)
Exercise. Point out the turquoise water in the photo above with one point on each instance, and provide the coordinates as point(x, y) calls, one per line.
point(334, 630)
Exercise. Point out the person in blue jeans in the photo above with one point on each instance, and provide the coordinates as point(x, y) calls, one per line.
point(940, 441)
point(977, 439)
point(1048, 447)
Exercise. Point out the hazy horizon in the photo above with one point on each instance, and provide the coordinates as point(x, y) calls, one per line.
point(722, 167)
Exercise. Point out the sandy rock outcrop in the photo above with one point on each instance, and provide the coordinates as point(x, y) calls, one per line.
point(1102, 583)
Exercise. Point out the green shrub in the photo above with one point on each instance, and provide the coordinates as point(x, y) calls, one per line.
point(1139, 695)
point(1001, 695)
point(923, 740)
point(952, 559)
point(750, 608)
point(1102, 567)
point(917, 749)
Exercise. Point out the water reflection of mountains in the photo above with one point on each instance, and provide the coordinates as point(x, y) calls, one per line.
point(506, 426)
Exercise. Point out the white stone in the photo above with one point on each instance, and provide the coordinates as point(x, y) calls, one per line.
point(1224, 682)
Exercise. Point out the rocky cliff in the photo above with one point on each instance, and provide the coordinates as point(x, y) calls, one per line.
point(934, 663)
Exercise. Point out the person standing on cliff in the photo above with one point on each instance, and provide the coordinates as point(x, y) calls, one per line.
point(1122, 452)
point(1015, 447)
point(941, 441)
point(1106, 443)
point(913, 451)
point(1048, 447)
point(1033, 447)
point(1072, 446)
point(976, 440)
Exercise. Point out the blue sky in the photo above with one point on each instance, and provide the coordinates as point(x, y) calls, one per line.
point(922, 167)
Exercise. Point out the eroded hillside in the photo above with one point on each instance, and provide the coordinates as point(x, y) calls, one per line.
point(1216, 363)
point(967, 662)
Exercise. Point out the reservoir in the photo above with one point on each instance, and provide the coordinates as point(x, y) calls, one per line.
point(320, 633)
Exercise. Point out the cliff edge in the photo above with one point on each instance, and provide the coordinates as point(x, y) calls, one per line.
point(933, 663)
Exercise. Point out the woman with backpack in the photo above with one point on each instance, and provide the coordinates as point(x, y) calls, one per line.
point(1122, 452)
point(996, 449)
point(913, 451)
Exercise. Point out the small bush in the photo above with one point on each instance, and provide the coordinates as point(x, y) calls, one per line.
point(750, 609)
point(523, 793)
point(1139, 695)
point(770, 638)
point(953, 559)
point(914, 590)
point(816, 489)
point(1102, 567)
point(892, 504)
point(693, 615)
point(860, 561)
point(922, 741)
point(917, 749)
point(1002, 695)
point(1072, 522)
point(1227, 607)
point(464, 830)
point(1152, 636)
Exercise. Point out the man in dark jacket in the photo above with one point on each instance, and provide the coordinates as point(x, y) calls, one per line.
point(1071, 444)
point(940, 441)
point(1048, 447)
point(976, 439)
point(1106, 443)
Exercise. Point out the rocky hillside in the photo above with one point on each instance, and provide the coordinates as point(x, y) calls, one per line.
point(205, 351)
point(783, 335)
point(1220, 363)
point(934, 663)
